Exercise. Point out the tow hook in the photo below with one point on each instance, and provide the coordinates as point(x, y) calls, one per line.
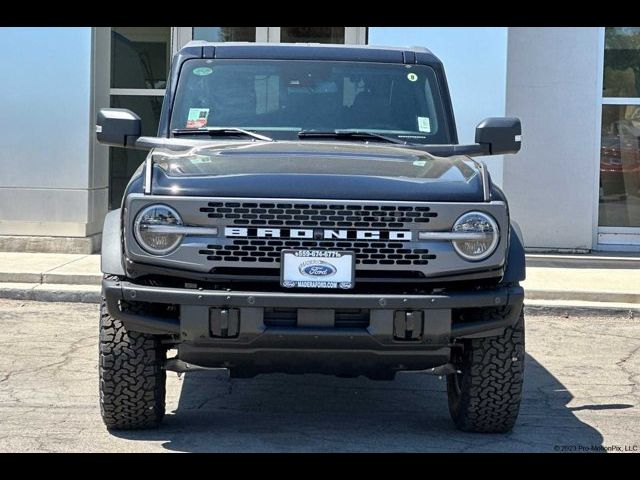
point(178, 366)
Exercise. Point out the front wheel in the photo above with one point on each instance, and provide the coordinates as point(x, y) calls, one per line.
point(132, 378)
point(485, 396)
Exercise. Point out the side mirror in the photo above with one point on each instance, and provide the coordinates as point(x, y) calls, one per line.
point(499, 134)
point(117, 127)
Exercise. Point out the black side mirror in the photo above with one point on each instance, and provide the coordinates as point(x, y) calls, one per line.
point(117, 127)
point(500, 134)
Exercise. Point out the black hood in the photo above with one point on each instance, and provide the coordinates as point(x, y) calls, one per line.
point(315, 169)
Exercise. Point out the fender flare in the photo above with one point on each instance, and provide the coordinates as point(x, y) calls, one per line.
point(111, 251)
point(516, 264)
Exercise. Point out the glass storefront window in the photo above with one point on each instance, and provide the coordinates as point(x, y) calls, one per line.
point(620, 166)
point(312, 34)
point(140, 57)
point(622, 62)
point(225, 34)
point(123, 162)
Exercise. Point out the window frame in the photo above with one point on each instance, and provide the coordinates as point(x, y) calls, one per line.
point(608, 237)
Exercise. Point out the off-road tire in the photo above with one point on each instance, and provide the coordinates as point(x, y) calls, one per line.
point(485, 396)
point(132, 378)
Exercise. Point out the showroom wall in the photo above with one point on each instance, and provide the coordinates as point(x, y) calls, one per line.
point(47, 184)
point(552, 184)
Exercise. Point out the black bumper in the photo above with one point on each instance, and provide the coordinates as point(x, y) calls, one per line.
point(255, 346)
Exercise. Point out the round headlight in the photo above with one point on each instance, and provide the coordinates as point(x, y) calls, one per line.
point(149, 231)
point(481, 239)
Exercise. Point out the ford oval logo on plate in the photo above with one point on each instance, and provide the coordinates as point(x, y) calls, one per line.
point(317, 268)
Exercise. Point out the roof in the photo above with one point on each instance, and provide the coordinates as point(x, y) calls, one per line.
point(312, 51)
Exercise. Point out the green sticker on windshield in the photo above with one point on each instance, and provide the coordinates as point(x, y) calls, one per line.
point(197, 117)
point(412, 77)
point(202, 71)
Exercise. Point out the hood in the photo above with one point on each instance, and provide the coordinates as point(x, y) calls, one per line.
point(315, 169)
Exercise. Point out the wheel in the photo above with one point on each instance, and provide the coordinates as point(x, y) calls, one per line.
point(485, 396)
point(132, 380)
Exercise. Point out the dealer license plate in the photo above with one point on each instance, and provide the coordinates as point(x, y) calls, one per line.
point(317, 269)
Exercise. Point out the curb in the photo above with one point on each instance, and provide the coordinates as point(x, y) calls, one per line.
point(574, 307)
point(92, 294)
point(582, 296)
point(51, 293)
point(616, 261)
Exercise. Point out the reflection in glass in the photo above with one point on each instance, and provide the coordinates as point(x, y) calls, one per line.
point(622, 62)
point(225, 34)
point(140, 57)
point(312, 34)
point(620, 166)
point(123, 162)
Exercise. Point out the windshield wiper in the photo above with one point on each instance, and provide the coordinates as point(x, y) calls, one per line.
point(348, 134)
point(219, 131)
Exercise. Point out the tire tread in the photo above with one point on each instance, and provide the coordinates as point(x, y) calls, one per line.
point(490, 383)
point(132, 378)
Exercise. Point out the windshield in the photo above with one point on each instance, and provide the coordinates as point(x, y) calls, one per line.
point(282, 98)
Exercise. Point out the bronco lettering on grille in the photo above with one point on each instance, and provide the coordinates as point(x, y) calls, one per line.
point(326, 234)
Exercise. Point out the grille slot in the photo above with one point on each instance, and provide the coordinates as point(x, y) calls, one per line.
point(268, 251)
point(344, 317)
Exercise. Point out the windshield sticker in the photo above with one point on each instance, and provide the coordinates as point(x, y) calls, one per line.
point(197, 117)
point(424, 124)
point(412, 77)
point(420, 163)
point(202, 71)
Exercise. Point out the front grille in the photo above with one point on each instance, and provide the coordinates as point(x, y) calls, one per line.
point(242, 249)
point(367, 253)
point(317, 214)
point(258, 251)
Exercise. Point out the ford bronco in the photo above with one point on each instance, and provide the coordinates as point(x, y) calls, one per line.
point(308, 209)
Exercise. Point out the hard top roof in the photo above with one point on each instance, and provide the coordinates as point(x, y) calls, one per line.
point(313, 51)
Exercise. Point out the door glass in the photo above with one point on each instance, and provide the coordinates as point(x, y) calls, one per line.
point(620, 166)
point(225, 34)
point(140, 57)
point(124, 162)
point(312, 34)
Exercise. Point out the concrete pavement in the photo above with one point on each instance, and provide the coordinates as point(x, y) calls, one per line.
point(581, 394)
point(604, 281)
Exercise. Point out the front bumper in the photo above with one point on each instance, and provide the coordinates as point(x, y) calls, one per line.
point(256, 346)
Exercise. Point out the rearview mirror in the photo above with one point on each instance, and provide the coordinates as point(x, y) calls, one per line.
point(500, 135)
point(117, 127)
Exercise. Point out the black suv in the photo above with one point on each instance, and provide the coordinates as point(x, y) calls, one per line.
point(308, 209)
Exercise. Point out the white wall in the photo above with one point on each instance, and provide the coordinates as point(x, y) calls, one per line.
point(475, 61)
point(552, 85)
point(46, 184)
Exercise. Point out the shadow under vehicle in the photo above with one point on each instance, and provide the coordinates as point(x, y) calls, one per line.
point(318, 413)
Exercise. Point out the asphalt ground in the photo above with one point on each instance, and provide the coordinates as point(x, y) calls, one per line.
point(581, 395)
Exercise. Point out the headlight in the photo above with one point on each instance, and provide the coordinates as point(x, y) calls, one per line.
point(151, 232)
point(479, 236)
